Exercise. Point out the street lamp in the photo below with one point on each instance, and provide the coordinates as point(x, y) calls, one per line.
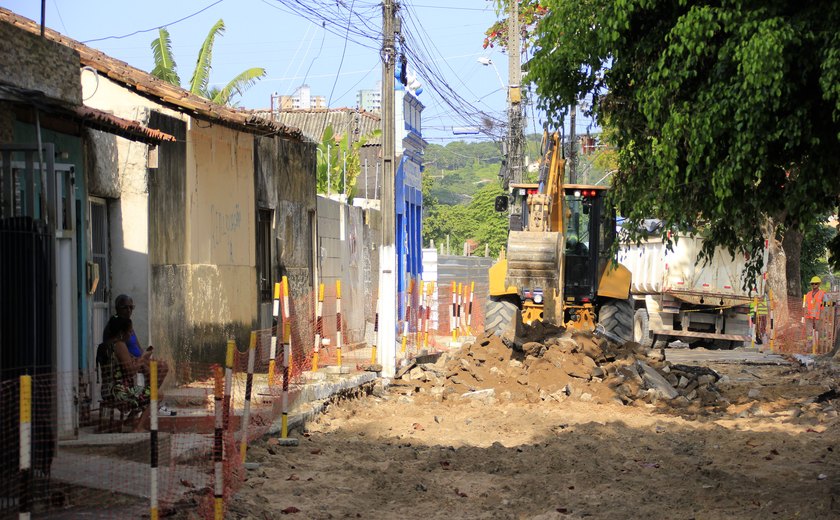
point(484, 60)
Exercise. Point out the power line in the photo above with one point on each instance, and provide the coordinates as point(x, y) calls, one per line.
point(452, 8)
point(343, 52)
point(155, 28)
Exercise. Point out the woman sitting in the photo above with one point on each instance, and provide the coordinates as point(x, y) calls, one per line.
point(119, 370)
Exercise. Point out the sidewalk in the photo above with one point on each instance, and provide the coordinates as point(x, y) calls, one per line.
point(119, 462)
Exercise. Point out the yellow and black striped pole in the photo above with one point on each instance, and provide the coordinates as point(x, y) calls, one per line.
point(338, 322)
point(770, 317)
point(218, 447)
point(287, 356)
point(375, 334)
point(453, 324)
point(319, 327)
point(275, 312)
point(249, 383)
point(153, 439)
point(231, 347)
point(25, 441)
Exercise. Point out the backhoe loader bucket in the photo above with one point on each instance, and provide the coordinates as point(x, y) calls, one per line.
point(535, 261)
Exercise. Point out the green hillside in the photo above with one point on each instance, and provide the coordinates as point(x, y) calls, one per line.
point(460, 183)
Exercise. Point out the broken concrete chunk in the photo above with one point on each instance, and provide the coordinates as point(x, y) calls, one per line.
point(480, 394)
point(655, 381)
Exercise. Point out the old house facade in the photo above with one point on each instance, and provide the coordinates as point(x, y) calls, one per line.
point(196, 228)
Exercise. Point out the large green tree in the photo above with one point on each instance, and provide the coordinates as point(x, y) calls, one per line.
point(167, 70)
point(725, 114)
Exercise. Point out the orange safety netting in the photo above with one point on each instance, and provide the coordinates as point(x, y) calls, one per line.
point(91, 461)
point(793, 332)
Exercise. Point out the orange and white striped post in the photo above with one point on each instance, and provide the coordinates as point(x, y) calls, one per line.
point(338, 323)
point(153, 440)
point(319, 327)
point(287, 357)
point(249, 383)
point(275, 312)
point(25, 442)
point(421, 315)
point(429, 300)
point(470, 308)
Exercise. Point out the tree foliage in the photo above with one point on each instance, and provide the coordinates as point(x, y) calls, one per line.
point(476, 221)
point(813, 259)
point(725, 113)
point(167, 70)
point(338, 162)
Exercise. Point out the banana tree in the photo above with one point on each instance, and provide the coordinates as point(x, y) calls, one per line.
point(167, 70)
point(338, 162)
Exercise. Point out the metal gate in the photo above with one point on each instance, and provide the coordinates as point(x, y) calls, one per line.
point(27, 305)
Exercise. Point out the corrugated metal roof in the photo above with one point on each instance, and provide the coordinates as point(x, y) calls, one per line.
point(312, 123)
point(157, 90)
point(87, 116)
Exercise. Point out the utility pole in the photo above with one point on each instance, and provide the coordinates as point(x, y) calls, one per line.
point(515, 157)
point(572, 145)
point(387, 339)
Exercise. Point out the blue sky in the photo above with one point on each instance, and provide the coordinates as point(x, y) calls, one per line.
point(295, 50)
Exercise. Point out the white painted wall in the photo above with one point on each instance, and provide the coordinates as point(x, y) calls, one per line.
point(128, 215)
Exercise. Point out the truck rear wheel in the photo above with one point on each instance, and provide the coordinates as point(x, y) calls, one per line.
point(641, 328)
point(499, 316)
point(616, 317)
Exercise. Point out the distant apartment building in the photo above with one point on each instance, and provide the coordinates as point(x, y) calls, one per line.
point(302, 99)
point(370, 99)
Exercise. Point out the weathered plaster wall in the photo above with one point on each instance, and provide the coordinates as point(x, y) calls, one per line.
point(128, 193)
point(221, 239)
point(182, 235)
point(285, 183)
point(34, 63)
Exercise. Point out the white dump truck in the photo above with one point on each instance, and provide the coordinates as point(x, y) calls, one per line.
point(677, 297)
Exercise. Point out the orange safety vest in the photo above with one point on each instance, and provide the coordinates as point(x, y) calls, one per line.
point(813, 302)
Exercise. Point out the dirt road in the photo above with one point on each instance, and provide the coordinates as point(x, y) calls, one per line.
point(763, 449)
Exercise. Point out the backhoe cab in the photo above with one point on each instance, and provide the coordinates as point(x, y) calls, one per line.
point(558, 267)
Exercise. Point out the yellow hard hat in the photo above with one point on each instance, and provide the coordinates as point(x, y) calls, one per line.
point(816, 279)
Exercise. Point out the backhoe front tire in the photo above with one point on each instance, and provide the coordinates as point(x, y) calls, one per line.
point(616, 318)
point(499, 316)
point(641, 328)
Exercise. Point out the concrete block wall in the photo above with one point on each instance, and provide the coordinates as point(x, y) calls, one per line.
point(347, 238)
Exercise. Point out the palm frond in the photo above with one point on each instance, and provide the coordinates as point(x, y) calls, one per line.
point(165, 67)
point(238, 85)
point(201, 74)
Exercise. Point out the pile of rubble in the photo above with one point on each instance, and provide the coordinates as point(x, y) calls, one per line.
point(563, 365)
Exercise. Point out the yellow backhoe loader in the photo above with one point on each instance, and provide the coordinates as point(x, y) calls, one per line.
point(558, 267)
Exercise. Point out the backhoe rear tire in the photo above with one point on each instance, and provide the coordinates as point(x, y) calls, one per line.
point(616, 318)
point(499, 316)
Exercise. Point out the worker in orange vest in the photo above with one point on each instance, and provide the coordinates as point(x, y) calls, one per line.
point(813, 302)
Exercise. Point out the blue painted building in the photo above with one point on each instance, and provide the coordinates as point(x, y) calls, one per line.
point(409, 150)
